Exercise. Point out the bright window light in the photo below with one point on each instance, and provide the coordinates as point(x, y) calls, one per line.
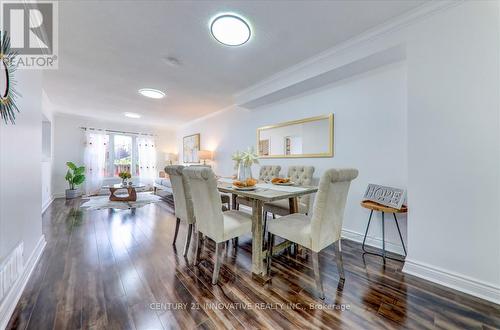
point(230, 30)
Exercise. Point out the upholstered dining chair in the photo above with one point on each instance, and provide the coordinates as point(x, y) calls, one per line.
point(302, 176)
point(210, 220)
point(266, 173)
point(226, 200)
point(323, 228)
point(182, 201)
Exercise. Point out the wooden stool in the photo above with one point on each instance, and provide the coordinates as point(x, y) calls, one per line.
point(372, 206)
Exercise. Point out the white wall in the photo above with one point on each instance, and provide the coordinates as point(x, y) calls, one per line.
point(20, 182)
point(47, 158)
point(369, 134)
point(69, 143)
point(452, 138)
point(454, 147)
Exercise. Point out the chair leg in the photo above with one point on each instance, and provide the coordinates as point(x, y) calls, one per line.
point(178, 221)
point(218, 260)
point(338, 259)
point(235, 242)
point(188, 239)
point(270, 244)
point(199, 246)
point(317, 275)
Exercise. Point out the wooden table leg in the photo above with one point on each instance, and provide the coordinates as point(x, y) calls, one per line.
point(257, 228)
point(294, 205)
point(233, 201)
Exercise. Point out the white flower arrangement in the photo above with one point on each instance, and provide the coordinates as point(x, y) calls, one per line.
point(247, 158)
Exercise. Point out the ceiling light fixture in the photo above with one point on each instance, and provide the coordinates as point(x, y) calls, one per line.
point(132, 115)
point(152, 93)
point(230, 29)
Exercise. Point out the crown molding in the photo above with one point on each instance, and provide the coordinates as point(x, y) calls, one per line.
point(393, 25)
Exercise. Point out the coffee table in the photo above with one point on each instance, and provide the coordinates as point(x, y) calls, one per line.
point(131, 192)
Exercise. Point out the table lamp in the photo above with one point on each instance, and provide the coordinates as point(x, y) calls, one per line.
point(170, 158)
point(205, 155)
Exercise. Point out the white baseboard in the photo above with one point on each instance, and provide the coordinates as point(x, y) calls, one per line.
point(372, 241)
point(47, 204)
point(59, 195)
point(452, 280)
point(8, 304)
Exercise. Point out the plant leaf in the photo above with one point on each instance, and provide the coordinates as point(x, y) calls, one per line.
point(71, 165)
point(79, 170)
point(78, 179)
point(69, 176)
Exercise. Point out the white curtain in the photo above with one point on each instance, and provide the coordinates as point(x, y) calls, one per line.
point(146, 150)
point(95, 161)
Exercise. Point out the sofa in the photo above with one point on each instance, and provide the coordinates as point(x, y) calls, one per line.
point(163, 188)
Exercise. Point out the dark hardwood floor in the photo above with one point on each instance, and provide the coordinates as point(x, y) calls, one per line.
point(118, 270)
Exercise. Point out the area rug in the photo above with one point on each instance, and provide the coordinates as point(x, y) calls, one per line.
point(103, 202)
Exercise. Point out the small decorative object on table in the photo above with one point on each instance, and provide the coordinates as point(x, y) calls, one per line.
point(124, 176)
point(388, 196)
point(248, 184)
point(243, 163)
point(282, 182)
point(75, 177)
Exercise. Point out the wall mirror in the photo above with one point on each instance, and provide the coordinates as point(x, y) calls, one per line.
point(304, 138)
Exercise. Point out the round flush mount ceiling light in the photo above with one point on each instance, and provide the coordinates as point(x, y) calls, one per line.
point(132, 115)
point(230, 29)
point(152, 93)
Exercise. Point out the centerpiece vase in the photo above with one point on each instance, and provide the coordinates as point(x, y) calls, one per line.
point(244, 172)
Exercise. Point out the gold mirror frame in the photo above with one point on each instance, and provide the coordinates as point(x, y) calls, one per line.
point(295, 122)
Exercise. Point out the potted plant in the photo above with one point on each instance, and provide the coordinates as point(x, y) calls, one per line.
point(75, 177)
point(124, 176)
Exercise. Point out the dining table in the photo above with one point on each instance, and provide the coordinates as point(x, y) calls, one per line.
point(263, 193)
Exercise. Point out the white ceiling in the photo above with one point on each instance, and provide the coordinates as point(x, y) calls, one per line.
point(110, 49)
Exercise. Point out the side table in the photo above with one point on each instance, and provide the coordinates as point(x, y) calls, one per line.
point(372, 206)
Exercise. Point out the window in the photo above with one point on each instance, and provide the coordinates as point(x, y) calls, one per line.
point(122, 154)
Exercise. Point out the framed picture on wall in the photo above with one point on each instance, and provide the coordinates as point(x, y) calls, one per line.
point(190, 148)
point(264, 147)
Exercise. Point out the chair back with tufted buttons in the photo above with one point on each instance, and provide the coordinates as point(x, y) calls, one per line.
point(182, 196)
point(206, 201)
point(302, 176)
point(329, 205)
point(269, 172)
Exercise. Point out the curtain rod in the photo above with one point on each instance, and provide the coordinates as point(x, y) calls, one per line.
point(113, 131)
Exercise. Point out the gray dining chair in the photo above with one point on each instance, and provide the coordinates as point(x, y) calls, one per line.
point(301, 176)
point(183, 205)
point(323, 228)
point(211, 221)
